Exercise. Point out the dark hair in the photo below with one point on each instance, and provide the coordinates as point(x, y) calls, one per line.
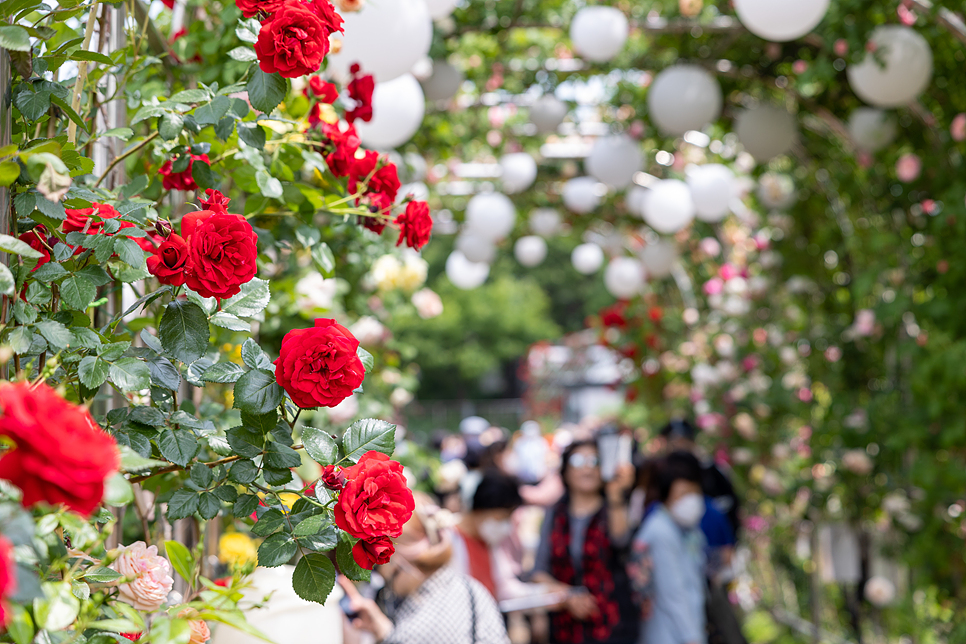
point(497, 491)
point(565, 460)
point(677, 466)
point(679, 428)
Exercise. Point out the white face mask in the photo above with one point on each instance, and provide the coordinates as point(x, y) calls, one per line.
point(688, 510)
point(494, 532)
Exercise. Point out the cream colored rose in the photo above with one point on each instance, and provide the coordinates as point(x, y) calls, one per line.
point(150, 574)
point(348, 6)
point(428, 304)
point(200, 633)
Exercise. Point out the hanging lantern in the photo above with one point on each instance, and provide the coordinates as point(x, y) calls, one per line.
point(490, 215)
point(443, 82)
point(712, 189)
point(519, 171)
point(397, 112)
point(547, 113)
point(682, 98)
point(766, 131)
point(545, 222)
point(897, 72)
point(581, 195)
point(465, 274)
point(530, 250)
point(614, 160)
point(624, 277)
point(668, 207)
point(780, 20)
point(598, 33)
point(587, 258)
point(871, 129)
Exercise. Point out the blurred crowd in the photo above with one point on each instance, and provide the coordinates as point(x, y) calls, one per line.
point(578, 536)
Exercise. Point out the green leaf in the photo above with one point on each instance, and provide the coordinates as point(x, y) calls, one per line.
point(113, 351)
point(149, 416)
point(181, 559)
point(94, 56)
point(85, 165)
point(244, 54)
point(276, 550)
point(184, 331)
point(21, 626)
point(129, 252)
point(92, 371)
point(347, 564)
point(250, 300)
point(366, 435)
point(170, 125)
point(245, 442)
point(19, 338)
point(33, 105)
point(277, 477)
point(201, 475)
point(49, 272)
point(368, 362)
point(270, 521)
point(247, 31)
point(261, 423)
point(123, 133)
point(9, 171)
point(209, 505)
point(147, 112)
point(314, 577)
point(201, 173)
point(55, 333)
point(182, 504)
point(268, 185)
point(13, 245)
point(252, 134)
point(320, 446)
point(257, 392)
point(230, 322)
point(243, 472)
point(252, 355)
point(101, 575)
point(244, 506)
point(78, 292)
point(211, 113)
point(309, 525)
point(58, 609)
point(324, 259)
point(131, 374)
point(265, 91)
point(223, 372)
point(178, 446)
point(190, 96)
point(164, 373)
point(118, 491)
point(169, 630)
point(280, 457)
point(14, 38)
point(7, 283)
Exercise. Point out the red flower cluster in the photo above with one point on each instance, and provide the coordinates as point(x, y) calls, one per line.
point(214, 255)
point(41, 241)
point(294, 39)
point(415, 225)
point(318, 367)
point(343, 145)
point(373, 507)
point(360, 90)
point(60, 454)
point(379, 183)
point(8, 579)
point(614, 315)
point(180, 180)
point(325, 92)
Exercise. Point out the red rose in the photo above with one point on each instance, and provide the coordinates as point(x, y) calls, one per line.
point(251, 8)
point(360, 90)
point(382, 181)
point(8, 579)
point(370, 552)
point(131, 636)
point(344, 145)
point(375, 224)
point(168, 261)
point(215, 201)
point(180, 180)
point(293, 42)
point(415, 225)
point(38, 239)
point(375, 501)
point(222, 248)
point(322, 90)
point(326, 12)
point(318, 367)
point(614, 315)
point(333, 477)
point(82, 221)
point(60, 454)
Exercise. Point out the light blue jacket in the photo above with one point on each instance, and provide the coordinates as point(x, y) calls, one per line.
point(677, 581)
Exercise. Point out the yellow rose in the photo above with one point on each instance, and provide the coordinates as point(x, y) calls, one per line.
point(237, 549)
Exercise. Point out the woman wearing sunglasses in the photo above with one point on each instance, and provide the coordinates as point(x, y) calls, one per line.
point(581, 551)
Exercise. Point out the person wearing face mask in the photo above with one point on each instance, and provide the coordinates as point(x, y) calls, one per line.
point(484, 526)
point(582, 549)
point(668, 557)
point(427, 601)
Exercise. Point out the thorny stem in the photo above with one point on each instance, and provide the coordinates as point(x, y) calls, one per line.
point(121, 157)
point(177, 468)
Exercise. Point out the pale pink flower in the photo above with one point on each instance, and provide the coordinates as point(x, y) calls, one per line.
point(636, 130)
point(841, 47)
point(799, 66)
point(906, 16)
point(710, 246)
point(864, 323)
point(928, 206)
point(857, 462)
point(728, 272)
point(713, 286)
point(200, 633)
point(908, 167)
point(958, 127)
point(150, 574)
point(428, 303)
point(348, 6)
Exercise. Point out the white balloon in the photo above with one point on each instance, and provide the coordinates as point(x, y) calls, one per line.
point(385, 38)
point(871, 129)
point(587, 258)
point(545, 222)
point(598, 33)
point(530, 250)
point(624, 277)
point(444, 82)
point(519, 172)
point(491, 215)
point(614, 160)
point(634, 199)
point(547, 113)
point(418, 190)
point(906, 72)
point(668, 206)
point(780, 20)
point(766, 131)
point(397, 112)
point(712, 189)
point(475, 248)
point(682, 98)
point(580, 195)
point(439, 9)
point(415, 166)
point(465, 274)
point(658, 258)
point(776, 191)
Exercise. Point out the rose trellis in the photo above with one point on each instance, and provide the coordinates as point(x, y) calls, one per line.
point(133, 381)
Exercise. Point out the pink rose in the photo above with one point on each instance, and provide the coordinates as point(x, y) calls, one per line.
point(908, 167)
point(958, 127)
point(799, 66)
point(150, 576)
point(428, 304)
point(864, 323)
point(841, 47)
point(200, 633)
point(713, 286)
point(728, 272)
